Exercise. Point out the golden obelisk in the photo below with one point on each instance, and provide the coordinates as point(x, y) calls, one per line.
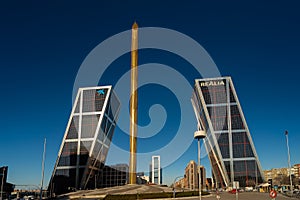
point(133, 103)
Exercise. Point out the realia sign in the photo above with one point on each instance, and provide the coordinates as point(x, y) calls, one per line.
point(212, 83)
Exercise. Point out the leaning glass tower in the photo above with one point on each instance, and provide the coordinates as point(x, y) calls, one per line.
point(229, 144)
point(86, 140)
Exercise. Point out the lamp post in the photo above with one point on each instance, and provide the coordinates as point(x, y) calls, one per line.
point(43, 169)
point(289, 160)
point(200, 134)
point(256, 178)
point(174, 185)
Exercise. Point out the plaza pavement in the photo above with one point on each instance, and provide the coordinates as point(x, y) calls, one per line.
point(134, 189)
point(125, 189)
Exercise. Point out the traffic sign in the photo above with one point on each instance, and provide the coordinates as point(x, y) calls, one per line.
point(236, 185)
point(273, 194)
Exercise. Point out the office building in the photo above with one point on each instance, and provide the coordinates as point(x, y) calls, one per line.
point(155, 171)
point(86, 140)
point(277, 175)
point(229, 144)
point(280, 176)
point(114, 175)
point(180, 183)
point(141, 179)
point(296, 170)
point(191, 175)
point(5, 188)
point(209, 183)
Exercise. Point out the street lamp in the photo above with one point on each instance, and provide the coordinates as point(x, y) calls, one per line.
point(200, 134)
point(43, 170)
point(174, 185)
point(289, 160)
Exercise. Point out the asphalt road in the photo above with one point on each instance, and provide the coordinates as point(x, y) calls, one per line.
point(241, 196)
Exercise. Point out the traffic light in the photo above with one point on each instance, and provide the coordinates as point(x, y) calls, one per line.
point(270, 182)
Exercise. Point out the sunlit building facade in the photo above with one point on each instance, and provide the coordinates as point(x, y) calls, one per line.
point(296, 168)
point(229, 144)
point(191, 176)
point(280, 175)
point(86, 141)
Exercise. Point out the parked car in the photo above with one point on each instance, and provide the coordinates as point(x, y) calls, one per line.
point(248, 189)
point(233, 191)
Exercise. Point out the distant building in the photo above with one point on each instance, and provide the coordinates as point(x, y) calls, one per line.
point(229, 144)
point(191, 176)
point(209, 183)
point(277, 175)
point(268, 174)
point(145, 178)
point(115, 175)
point(8, 188)
point(180, 183)
point(155, 171)
point(191, 180)
point(141, 178)
point(296, 168)
point(86, 141)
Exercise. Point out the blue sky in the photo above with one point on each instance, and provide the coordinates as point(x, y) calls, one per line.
point(44, 44)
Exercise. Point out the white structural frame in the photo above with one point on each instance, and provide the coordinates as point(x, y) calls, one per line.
point(153, 169)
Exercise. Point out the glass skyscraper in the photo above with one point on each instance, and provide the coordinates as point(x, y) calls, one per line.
point(229, 144)
point(86, 140)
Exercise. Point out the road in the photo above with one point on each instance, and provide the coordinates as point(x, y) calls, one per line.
point(241, 196)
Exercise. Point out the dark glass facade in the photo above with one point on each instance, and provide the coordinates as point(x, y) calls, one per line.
point(115, 175)
point(7, 188)
point(86, 141)
point(228, 143)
